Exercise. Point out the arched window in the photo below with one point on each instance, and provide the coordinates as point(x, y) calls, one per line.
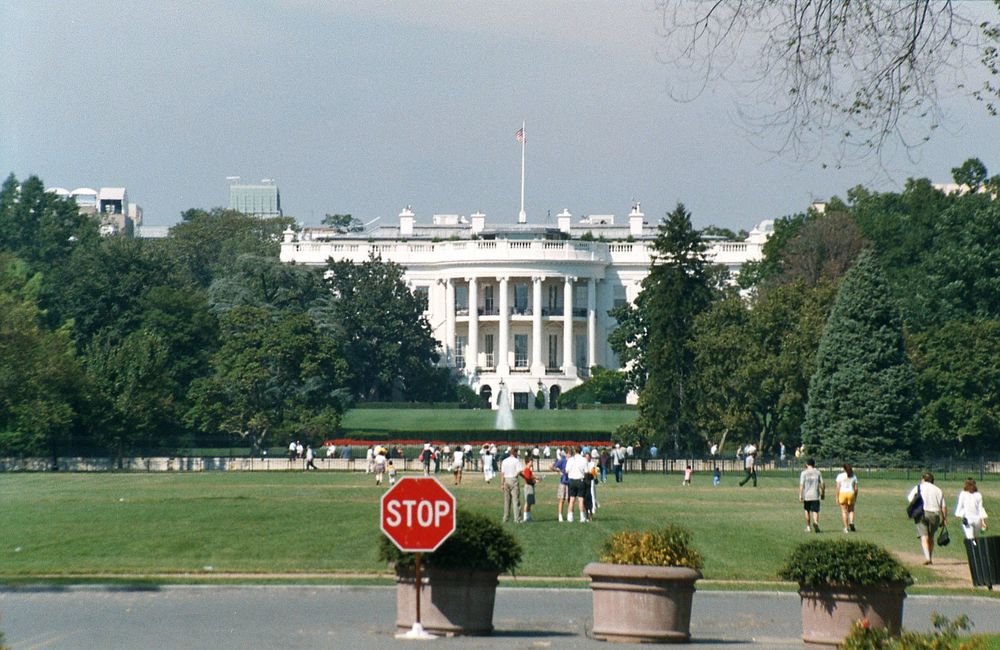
point(486, 393)
point(554, 393)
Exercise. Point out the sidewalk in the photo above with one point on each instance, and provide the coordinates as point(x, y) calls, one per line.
point(221, 618)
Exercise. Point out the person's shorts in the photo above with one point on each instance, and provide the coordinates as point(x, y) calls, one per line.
point(562, 491)
point(576, 488)
point(529, 494)
point(846, 498)
point(810, 506)
point(928, 526)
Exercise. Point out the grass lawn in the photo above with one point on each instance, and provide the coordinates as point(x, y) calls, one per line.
point(324, 522)
point(423, 420)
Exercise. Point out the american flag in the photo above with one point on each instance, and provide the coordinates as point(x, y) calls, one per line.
point(519, 136)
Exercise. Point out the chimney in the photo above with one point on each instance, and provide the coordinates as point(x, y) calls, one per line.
point(635, 221)
point(564, 219)
point(478, 222)
point(406, 221)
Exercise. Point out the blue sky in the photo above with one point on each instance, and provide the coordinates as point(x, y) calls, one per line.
point(366, 107)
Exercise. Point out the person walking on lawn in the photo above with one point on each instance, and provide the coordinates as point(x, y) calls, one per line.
point(811, 492)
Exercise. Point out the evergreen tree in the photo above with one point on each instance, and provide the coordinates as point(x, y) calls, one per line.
point(659, 330)
point(863, 395)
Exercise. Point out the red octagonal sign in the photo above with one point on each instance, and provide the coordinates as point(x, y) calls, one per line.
point(418, 514)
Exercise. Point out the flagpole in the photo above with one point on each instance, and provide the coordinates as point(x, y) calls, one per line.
point(521, 217)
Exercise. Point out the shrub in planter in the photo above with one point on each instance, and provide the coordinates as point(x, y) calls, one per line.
point(644, 585)
point(458, 581)
point(946, 636)
point(845, 581)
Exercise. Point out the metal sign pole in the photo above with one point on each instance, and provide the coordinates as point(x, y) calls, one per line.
point(417, 631)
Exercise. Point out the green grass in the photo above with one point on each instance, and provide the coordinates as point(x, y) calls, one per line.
point(425, 420)
point(130, 525)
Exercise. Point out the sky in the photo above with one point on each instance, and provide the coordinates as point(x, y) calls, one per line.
point(367, 107)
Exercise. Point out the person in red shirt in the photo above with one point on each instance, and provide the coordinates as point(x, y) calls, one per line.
point(530, 479)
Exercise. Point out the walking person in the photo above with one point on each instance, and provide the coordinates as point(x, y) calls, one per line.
point(487, 456)
point(970, 509)
point(603, 461)
point(562, 489)
point(457, 464)
point(935, 513)
point(847, 497)
point(811, 491)
point(370, 460)
point(716, 477)
point(510, 469)
point(576, 467)
point(687, 475)
point(379, 462)
point(291, 452)
point(750, 465)
point(391, 469)
point(310, 457)
point(618, 461)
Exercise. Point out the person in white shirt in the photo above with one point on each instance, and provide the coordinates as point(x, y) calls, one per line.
point(970, 509)
point(331, 451)
point(847, 496)
point(750, 465)
point(457, 464)
point(370, 460)
point(310, 456)
point(935, 514)
point(487, 457)
point(379, 462)
point(510, 470)
point(576, 467)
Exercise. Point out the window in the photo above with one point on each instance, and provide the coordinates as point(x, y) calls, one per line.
point(581, 352)
point(521, 401)
point(553, 298)
point(553, 351)
point(488, 350)
point(460, 342)
point(488, 308)
point(619, 295)
point(520, 298)
point(462, 298)
point(421, 295)
point(520, 350)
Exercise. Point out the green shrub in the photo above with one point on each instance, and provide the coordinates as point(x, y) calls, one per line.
point(832, 563)
point(669, 546)
point(478, 543)
point(944, 637)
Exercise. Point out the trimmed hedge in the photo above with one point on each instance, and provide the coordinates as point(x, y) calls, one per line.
point(467, 435)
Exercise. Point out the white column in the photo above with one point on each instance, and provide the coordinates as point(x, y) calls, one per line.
point(472, 348)
point(449, 323)
point(568, 366)
point(503, 365)
point(591, 323)
point(537, 366)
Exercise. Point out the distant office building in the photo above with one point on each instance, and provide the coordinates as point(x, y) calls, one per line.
point(261, 200)
point(109, 204)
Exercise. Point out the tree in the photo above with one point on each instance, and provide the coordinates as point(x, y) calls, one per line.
point(42, 385)
point(386, 338)
point(959, 379)
point(656, 334)
point(275, 374)
point(866, 71)
point(343, 223)
point(863, 399)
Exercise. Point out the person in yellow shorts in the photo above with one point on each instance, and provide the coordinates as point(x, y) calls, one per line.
point(847, 496)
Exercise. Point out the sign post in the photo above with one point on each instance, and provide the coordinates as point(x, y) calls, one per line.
point(417, 515)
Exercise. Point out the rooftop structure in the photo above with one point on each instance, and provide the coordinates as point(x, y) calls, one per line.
point(259, 200)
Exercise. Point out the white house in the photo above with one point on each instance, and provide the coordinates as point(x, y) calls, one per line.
point(517, 308)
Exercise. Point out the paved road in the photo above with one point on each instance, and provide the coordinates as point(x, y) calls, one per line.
point(219, 618)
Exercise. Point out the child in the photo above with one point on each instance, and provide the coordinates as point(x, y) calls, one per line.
point(392, 473)
point(687, 475)
point(716, 477)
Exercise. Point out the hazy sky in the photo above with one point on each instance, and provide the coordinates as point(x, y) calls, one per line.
point(366, 107)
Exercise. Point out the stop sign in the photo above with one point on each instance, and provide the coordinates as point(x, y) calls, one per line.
point(418, 514)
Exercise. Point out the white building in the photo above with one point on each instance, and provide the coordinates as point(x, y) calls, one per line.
point(109, 204)
point(516, 308)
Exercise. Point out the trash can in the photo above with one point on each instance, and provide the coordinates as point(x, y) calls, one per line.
point(984, 561)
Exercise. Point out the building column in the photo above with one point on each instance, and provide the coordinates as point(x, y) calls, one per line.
point(568, 367)
point(591, 323)
point(472, 348)
point(503, 365)
point(537, 365)
point(449, 323)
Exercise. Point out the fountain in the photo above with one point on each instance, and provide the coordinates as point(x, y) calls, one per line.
point(505, 416)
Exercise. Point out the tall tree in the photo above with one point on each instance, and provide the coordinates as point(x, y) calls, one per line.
point(657, 332)
point(386, 337)
point(863, 399)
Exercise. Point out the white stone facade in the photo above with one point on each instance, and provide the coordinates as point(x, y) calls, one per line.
point(516, 308)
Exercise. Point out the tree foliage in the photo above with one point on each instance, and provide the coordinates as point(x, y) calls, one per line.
point(863, 396)
point(868, 72)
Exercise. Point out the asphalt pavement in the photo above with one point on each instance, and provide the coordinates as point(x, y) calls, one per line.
point(223, 617)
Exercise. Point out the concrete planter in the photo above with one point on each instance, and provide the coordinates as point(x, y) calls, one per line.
point(641, 604)
point(451, 601)
point(828, 614)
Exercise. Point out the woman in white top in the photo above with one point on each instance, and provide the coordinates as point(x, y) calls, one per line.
point(970, 509)
point(847, 496)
